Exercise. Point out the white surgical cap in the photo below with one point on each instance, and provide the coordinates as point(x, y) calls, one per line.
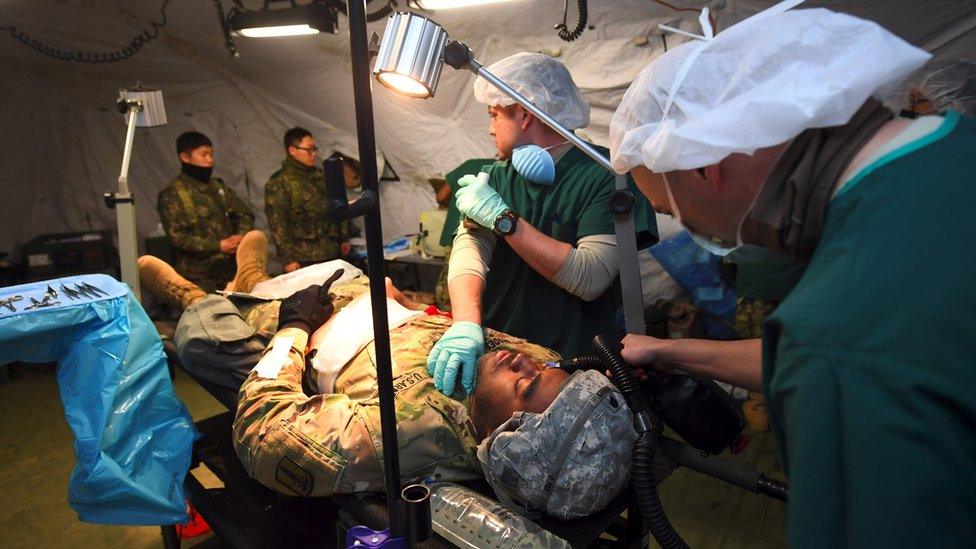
point(756, 84)
point(950, 84)
point(543, 81)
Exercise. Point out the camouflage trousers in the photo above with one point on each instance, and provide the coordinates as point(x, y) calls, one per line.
point(749, 317)
point(219, 342)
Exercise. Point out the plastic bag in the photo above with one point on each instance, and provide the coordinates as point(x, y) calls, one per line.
point(696, 271)
point(133, 437)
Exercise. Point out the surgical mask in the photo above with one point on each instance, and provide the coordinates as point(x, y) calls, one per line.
point(706, 243)
point(535, 163)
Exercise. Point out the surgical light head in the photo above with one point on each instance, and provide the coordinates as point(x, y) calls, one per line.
point(411, 55)
point(146, 102)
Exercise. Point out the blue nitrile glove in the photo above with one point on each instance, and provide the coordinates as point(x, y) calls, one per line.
point(459, 348)
point(477, 201)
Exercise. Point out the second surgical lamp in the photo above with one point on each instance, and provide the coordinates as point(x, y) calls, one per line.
point(409, 61)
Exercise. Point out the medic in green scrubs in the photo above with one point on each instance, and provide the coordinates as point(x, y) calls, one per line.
point(869, 365)
point(536, 256)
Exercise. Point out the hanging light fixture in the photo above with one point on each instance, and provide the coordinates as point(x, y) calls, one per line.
point(294, 20)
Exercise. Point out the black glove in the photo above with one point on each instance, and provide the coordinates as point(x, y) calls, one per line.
point(309, 308)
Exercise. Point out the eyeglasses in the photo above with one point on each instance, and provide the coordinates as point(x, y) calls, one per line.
point(310, 150)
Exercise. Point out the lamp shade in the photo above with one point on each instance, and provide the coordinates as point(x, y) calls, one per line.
point(410, 56)
point(151, 110)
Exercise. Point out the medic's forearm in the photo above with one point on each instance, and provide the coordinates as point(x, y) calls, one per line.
point(466, 293)
point(736, 362)
point(544, 254)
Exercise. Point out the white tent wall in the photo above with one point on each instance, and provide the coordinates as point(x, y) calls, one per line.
point(62, 138)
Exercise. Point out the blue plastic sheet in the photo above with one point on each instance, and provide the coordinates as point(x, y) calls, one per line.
point(696, 271)
point(133, 437)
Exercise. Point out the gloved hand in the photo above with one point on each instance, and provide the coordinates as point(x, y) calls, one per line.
point(458, 349)
point(308, 309)
point(478, 201)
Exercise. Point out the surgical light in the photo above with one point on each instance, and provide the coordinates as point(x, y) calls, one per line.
point(410, 57)
point(409, 61)
point(294, 20)
point(144, 108)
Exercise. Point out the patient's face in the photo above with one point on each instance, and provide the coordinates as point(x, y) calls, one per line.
point(508, 382)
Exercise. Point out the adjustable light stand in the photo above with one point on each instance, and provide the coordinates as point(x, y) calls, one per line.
point(141, 107)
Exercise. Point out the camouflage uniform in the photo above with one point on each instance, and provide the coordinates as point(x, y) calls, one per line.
point(749, 317)
point(325, 444)
point(196, 217)
point(442, 295)
point(295, 203)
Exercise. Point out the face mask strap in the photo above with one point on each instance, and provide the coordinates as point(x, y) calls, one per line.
point(674, 204)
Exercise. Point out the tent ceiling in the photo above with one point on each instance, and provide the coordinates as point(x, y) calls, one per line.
point(63, 135)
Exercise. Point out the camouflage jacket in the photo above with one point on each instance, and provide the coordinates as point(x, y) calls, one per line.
point(295, 204)
point(325, 444)
point(196, 217)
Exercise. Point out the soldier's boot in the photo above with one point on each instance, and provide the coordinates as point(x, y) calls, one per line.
point(754, 408)
point(252, 262)
point(162, 281)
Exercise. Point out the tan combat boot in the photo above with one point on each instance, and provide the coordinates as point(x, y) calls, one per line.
point(252, 262)
point(162, 281)
point(754, 409)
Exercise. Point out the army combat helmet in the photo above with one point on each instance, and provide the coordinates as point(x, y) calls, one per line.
point(570, 460)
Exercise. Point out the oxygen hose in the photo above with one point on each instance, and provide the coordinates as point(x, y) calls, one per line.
point(648, 429)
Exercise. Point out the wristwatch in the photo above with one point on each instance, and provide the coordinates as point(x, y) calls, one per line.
point(505, 223)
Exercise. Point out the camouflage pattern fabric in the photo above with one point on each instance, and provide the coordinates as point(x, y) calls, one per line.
point(442, 297)
point(295, 203)
point(196, 217)
point(749, 317)
point(325, 444)
point(570, 460)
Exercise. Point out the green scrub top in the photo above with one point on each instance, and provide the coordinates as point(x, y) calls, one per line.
point(453, 218)
point(520, 301)
point(768, 279)
point(869, 366)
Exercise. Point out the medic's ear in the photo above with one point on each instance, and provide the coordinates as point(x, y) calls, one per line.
point(527, 118)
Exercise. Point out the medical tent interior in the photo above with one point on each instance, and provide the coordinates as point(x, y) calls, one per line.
point(62, 135)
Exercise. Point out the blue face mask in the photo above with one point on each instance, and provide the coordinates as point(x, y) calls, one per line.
point(706, 244)
point(535, 163)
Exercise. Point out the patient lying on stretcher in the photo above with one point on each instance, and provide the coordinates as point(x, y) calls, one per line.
point(324, 438)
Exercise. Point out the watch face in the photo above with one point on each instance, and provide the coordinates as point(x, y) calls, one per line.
point(505, 225)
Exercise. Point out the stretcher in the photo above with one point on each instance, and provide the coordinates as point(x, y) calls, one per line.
point(244, 513)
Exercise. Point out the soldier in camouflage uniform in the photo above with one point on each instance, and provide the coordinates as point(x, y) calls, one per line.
point(203, 218)
point(295, 204)
point(329, 443)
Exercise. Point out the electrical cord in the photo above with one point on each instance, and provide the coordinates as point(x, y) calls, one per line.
point(134, 46)
point(563, 31)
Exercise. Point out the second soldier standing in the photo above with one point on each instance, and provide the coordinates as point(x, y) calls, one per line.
point(295, 204)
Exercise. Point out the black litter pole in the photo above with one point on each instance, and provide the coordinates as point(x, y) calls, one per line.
point(374, 251)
